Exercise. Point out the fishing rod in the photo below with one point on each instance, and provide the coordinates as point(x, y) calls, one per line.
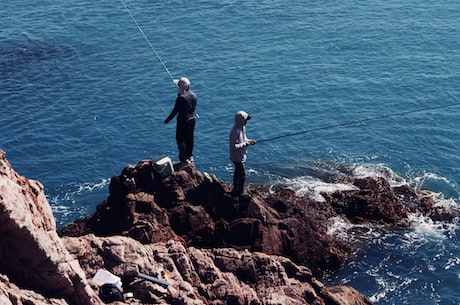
point(148, 41)
point(356, 122)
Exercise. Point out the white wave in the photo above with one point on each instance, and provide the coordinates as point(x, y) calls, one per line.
point(417, 183)
point(379, 171)
point(307, 186)
point(388, 284)
point(339, 227)
point(68, 193)
point(313, 187)
point(90, 186)
point(66, 211)
point(385, 289)
point(452, 262)
point(427, 176)
point(425, 230)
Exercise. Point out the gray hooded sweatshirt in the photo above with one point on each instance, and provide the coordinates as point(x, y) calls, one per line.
point(238, 139)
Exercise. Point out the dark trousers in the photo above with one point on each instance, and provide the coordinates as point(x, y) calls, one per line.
point(184, 138)
point(239, 177)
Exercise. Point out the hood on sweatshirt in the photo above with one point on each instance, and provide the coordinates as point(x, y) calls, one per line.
point(241, 117)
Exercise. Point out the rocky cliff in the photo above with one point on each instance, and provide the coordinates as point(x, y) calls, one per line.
point(195, 242)
point(32, 255)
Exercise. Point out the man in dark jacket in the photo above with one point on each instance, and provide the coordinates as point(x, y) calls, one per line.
point(185, 110)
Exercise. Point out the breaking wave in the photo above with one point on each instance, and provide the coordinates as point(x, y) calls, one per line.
point(70, 202)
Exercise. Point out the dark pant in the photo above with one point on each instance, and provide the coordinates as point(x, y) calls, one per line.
point(239, 177)
point(184, 138)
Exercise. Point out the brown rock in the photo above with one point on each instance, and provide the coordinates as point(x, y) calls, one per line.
point(199, 276)
point(31, 253)
point(10, 294)
point(201, 245)
point(343, 295)
point(198, 209)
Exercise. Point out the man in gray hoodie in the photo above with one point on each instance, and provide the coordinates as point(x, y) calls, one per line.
point(238, 150)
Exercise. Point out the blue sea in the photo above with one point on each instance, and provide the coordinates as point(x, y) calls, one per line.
point(333, 87)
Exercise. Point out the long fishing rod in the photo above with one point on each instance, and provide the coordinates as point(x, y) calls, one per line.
point(148, 41)
point(356, 122)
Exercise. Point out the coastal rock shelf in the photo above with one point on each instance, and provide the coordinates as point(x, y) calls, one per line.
point(188, 231)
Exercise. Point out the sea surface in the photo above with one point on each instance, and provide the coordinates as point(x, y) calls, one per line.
point(334, 87)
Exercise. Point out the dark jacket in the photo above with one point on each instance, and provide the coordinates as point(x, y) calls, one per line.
point(184, 107)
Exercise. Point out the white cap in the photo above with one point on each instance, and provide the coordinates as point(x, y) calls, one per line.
point(182, 82)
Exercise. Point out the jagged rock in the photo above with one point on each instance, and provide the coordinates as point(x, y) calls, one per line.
point(267, 247)
point(31, 253)
point(149, 245)
point(205, 276)
point(373, 200)
point(10, 294)
point(199, 210)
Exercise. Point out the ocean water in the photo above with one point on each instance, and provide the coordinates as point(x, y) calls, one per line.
point(334, 87)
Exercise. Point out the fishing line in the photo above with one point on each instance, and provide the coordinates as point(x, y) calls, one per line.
point(356, 122)
point(148, 41)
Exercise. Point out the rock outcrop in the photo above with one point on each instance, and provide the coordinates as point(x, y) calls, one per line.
point(199, 210)
point(32, 255)
point(205, 276)
point(185, 231)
